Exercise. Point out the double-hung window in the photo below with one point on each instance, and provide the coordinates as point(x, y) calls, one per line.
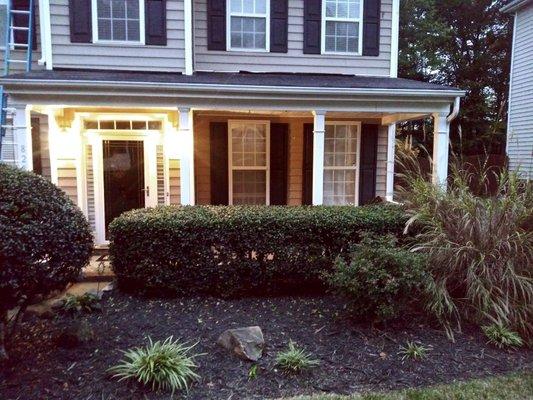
point(342, 28)
point(341, 163)
point(249, 162)
point(118, 21)
point(249, 26)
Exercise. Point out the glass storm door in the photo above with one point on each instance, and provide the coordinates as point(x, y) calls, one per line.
point(123, 162)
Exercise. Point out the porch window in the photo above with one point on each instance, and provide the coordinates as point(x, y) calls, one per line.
point(249, 24)
point(342, 26)
point(249, 162)
point(118, 20)
point(341, 163)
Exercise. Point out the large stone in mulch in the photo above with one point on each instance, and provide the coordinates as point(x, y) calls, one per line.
point(78, 333)
point(247, 343)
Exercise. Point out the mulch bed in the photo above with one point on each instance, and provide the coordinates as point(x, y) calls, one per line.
point(354, 356)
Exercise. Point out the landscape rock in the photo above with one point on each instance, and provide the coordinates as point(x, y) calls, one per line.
point(247, 343)
point(78, 333)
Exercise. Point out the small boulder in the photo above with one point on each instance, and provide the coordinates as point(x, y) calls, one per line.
point(78, 333)
point(247, 343)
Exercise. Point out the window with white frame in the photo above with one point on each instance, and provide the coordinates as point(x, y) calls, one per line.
point(119, 20)
point(342, 26)
point(248, 162)
point(341, 163)
point(248, 22)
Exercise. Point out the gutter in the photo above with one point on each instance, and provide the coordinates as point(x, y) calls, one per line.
point(202, 87)
point(45, 34)
point(514, 6)
point(455, 110)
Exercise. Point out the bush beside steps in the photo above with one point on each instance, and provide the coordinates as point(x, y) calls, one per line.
point(239, 250)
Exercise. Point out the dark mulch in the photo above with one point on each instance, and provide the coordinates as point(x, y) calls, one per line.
point(353, 356)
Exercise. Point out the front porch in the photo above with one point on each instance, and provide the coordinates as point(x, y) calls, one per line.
point(131, 146)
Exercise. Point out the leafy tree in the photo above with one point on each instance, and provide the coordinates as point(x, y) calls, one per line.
point(465, 44)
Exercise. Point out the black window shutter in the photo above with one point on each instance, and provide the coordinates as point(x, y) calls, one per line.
point(218, 138)
point(371, 19)
point(279, 22)
point(312, 26)
point(80, 15)
point(216, 24)
point(307, 184)
point(279, 159)
point(36, 146)
point(22, 20)
point(368, 160)
point(155, 15)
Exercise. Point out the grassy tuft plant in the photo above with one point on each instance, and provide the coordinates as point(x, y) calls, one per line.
point(479, 243)
point(85, 302)
point(295, 359)
point(414, 351)
point(164, 365)
point(501, 336)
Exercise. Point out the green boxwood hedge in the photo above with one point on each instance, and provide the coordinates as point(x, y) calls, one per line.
point(238, 250)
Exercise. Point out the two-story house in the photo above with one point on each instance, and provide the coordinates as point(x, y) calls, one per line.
point(520, 114)
point(135, 103)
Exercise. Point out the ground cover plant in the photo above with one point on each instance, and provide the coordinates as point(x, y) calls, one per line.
point(294, 359)
point(86, 302)
point(45, 241)
point(241, 250)
point(354, 357)
point(479, 246)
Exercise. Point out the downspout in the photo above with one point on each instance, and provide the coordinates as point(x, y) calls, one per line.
point(45, 34)
point(188, 36)
point(455, 110)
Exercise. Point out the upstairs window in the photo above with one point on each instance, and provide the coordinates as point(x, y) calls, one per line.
point(248, 22)
point(342, 26)
point(118, 21)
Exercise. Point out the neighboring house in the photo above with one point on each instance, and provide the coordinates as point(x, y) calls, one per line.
point(135, 103)
point(520, 115)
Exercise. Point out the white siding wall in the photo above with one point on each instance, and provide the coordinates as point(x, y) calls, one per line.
point(169, 58)
point(520, 134)
point(294, 60)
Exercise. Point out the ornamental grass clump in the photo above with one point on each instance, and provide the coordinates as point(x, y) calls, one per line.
point(479, 245)
point(164, 365)
point(501, 336)
point(294, 359)
point(414, 351)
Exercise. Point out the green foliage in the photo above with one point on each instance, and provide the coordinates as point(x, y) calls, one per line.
point(164, 365)
point(45, 239)
point(294, 359)
point(85, 302)
point(479, 246)
point(253, 372)
point(378, 277)
point(414, 351)
point(464, 44)
point(237, 250)
point(501, 336)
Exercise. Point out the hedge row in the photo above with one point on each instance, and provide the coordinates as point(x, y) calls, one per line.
point(238, 250)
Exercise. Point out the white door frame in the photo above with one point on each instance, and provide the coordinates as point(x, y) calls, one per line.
point(150, 141)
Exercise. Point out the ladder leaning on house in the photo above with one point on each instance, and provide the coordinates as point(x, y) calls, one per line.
point(15, 13)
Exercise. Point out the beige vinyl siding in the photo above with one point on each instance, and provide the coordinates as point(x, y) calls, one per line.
point(160, 166)
point(294, 60)
point(89, 180)
point(174, 181)
point(169, 58)
point(520, 134)
point(20, 54)
point(67, 178)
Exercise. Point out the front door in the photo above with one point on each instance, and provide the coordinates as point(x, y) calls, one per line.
point(124, 180)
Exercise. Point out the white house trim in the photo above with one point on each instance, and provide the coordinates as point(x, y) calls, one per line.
point(185, 133)
point(391, 147)
point(96, 39)
point(359, 20)
point(45, 34)
point(188, 36)
point(230, 14)
point(395, 34)
point(441, 144)
point(319, 129)
point(510, 98)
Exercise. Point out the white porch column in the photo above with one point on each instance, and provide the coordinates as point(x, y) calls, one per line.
point(441, 144)
point(318, 156)
point(391, 153)
point(22, 137)
point(185, 133)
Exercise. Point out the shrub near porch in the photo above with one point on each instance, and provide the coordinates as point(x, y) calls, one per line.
point(239, 250)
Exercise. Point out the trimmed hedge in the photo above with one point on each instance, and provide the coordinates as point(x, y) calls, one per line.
point(238, 250)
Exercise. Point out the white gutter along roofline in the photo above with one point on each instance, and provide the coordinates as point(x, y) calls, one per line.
point(387, 92)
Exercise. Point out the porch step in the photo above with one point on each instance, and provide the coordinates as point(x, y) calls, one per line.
point(99, 268)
